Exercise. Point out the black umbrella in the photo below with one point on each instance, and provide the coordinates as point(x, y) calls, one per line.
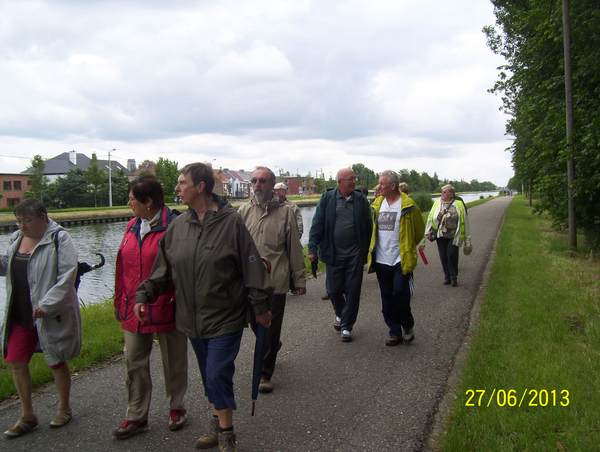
point(314, 265)
point(259, 348)
point(261, 333)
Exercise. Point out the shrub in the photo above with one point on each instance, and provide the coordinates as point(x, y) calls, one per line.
point(423, 200)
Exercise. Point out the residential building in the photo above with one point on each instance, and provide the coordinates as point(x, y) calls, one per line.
point(13, 188)
point(222, 184)
point(239, 183)
point(298, 185)
point(60, 165)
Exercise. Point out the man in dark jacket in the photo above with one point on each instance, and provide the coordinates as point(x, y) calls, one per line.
point(340, 234)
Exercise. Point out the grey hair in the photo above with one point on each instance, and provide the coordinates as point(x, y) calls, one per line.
point(272, 177)
point(392, 176)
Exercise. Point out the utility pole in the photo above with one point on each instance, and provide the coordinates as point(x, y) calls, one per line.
point(569, 105)
point(109, 180)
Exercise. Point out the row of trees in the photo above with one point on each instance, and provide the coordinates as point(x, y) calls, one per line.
point(529, 34)
point(366, 177)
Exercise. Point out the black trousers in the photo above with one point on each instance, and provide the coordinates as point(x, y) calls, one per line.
point(449, 257)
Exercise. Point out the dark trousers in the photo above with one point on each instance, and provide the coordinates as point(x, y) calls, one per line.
point(273, 336)
point(396, 290)
point(449, 257)
point(344, 282)
point(216, 359)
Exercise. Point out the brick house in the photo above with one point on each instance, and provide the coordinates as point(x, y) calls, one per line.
point(13, 188)
point(298, 185)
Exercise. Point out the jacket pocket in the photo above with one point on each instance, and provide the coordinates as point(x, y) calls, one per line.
point(56, 329)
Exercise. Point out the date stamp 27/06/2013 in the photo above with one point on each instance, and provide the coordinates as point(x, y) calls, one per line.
point(529, 397)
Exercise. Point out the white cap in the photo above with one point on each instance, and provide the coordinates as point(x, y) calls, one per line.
point(280, 186)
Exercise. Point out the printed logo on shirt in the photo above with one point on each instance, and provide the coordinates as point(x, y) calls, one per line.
point(387, 220)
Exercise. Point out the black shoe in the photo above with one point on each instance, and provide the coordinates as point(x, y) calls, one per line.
point(325, 297)
point(446, 282)
point(407, 335)
point(337, 326)
point(393, 340)
point(346, 336)
point(454, 283)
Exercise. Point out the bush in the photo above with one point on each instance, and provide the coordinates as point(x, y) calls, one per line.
point(423, 200)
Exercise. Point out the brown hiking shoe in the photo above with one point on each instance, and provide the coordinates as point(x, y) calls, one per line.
point(211, 439)
point(227, 442)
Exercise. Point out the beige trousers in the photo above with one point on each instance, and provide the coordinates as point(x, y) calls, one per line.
point(173, 348)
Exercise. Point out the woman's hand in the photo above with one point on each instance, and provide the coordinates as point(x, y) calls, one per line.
point(118, 315)
point(38, 313)
point(140, 312)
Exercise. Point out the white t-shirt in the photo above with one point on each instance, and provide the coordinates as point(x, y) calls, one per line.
point(388, 230)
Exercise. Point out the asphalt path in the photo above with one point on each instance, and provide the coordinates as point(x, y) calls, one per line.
point(329, 395)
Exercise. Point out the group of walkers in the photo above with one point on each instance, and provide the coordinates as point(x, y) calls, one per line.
point(201, 275)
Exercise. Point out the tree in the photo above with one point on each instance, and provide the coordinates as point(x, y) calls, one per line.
point(364, 176)
point(167, 174)
point(529, 34)
point(39, 181)
point(95, 176)
point(72, 190)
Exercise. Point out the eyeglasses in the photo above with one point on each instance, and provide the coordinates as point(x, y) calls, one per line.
point(22, 221)
point(262, 180)
point(349, 178)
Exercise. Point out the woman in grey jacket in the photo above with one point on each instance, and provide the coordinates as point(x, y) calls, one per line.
point(41, 310)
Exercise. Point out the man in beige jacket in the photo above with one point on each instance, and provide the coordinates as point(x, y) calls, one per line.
point(273, 227)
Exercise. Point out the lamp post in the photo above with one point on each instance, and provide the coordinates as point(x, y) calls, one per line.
point(110, 180)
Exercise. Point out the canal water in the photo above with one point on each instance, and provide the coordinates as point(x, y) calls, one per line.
point(105, 238)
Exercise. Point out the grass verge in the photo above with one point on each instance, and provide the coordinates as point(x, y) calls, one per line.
point(535, 349)
point(102, 338)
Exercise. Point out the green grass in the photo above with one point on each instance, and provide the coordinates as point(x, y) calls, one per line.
point(102, 339)
point(538, 330)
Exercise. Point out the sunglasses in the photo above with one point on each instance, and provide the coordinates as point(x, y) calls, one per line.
point(262, 180)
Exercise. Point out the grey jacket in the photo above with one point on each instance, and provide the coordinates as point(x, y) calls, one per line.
point(51, 277)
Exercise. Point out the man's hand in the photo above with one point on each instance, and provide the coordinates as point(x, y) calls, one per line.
point(118, 315)
point(140, 312)
point(264, 319)
point(312, 257)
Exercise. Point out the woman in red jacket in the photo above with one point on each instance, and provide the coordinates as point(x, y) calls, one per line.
point(134, 261)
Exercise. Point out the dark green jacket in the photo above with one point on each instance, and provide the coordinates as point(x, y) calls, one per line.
point(217, 271)
point(321, 232)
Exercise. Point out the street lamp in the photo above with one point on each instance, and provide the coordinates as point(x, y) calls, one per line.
point(109, 180)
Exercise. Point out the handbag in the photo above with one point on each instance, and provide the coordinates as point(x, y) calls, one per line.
point(468, 247)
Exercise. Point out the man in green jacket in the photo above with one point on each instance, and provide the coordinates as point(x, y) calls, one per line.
point(340, 234)
point(393, 255)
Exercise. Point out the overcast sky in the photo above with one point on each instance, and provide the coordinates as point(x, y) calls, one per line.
point(296, 85)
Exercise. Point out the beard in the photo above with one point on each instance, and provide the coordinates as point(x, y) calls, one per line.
point(262, 197)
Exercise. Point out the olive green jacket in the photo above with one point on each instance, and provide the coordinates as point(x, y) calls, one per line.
point(217, 271)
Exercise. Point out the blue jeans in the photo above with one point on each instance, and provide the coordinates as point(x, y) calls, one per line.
point(216, 359)
point(345, 277)
point(396, 290)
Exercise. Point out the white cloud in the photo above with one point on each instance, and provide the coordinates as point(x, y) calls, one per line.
point(299, 85)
